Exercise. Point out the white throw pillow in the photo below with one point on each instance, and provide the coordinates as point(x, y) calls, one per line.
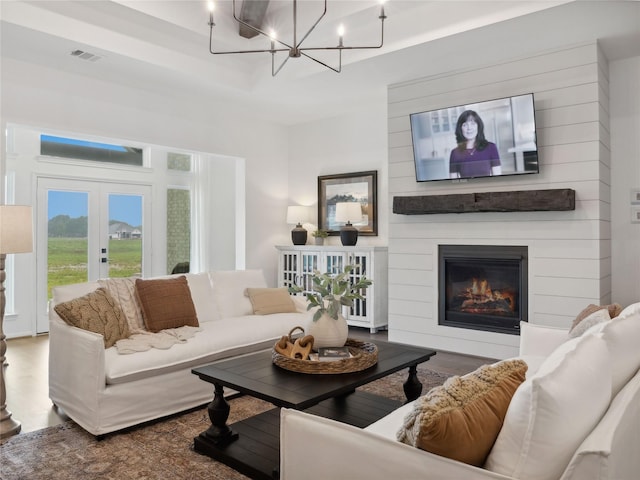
point(553, 412)
point(621, 335)
point(123, 291)
point(229, 291)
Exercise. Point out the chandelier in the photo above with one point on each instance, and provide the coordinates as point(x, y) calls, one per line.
point(294, 48)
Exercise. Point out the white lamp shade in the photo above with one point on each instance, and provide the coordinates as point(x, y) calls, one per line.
point(298, 214)
point(348, 212)
point(16, 234)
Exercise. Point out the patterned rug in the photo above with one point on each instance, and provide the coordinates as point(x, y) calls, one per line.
point(160, 450)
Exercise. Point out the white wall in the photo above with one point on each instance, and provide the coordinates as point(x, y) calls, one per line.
point(349, 143)
point(569, 252)
point(625, 176)
point(41, 97)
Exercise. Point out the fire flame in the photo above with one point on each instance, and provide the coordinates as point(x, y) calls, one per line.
point(480, 292)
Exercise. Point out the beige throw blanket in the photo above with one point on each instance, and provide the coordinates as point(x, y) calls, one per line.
point(142, 341)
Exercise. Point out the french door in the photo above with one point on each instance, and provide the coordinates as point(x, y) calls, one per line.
point(88, 230)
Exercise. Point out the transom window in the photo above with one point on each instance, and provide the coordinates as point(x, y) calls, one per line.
point(92, 151)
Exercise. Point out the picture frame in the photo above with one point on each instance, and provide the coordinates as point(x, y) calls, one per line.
point(345, 187)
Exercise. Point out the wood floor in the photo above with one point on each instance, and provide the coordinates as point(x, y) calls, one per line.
point(26, 376)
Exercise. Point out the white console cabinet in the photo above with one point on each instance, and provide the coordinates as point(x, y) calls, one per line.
point(296, 263)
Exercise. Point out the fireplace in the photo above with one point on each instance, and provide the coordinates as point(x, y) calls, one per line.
point(482, 287)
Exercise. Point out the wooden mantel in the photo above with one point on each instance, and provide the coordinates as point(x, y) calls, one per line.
point(516, 201)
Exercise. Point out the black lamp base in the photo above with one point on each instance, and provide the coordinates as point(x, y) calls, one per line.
point(349, 235)
point(299, 235)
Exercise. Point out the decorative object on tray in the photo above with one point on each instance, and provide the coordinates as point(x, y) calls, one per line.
point(331, 354)
point(363, 356)
point(298, 348)
point(330, 293)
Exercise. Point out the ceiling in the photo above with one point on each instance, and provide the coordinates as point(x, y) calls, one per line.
point(163, 46)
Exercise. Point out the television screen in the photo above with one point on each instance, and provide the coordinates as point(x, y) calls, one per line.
point(482, 139)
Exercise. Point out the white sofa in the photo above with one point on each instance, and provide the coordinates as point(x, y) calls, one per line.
point(604, 361)
point(104, 391)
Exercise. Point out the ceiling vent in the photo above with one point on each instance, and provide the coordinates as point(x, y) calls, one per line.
point(85, 56)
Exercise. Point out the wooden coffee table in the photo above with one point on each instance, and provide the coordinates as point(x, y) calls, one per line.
point(252, 446)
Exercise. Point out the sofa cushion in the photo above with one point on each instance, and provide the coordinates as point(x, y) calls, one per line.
point(599, 316)
point(123, 291)
point(202, 296)
point(64, 293)
point(229, 287)
point(621, 335)
point(552, 412)
point(266, 301)
point(461, 419)
point(96, 312)
point(216, 340)
point(166, 303)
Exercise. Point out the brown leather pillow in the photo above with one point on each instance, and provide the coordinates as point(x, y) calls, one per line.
point(96, 312)
point(462, 418)
point(166, 303)
point(266, 301)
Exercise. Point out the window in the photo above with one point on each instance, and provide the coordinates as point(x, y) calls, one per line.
point(92, 151)
point(179, 161)
point(178, 230)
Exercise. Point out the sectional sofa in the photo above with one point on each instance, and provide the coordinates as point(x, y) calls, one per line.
point(576, 416)
point(103, 390)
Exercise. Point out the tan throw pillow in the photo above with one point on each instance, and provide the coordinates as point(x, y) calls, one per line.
point(599, 316)
point(462, 418)
point(266, 301)
point(614, 310)
point(166, 303)
point(96, 312)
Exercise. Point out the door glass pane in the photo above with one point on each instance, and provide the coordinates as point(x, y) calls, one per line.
point(125, 235)
point(67, 251)
point(178, 230)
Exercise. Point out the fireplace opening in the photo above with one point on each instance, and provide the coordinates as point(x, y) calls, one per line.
point(483, 287)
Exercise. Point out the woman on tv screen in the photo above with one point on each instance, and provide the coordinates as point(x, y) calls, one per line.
point(474, 156)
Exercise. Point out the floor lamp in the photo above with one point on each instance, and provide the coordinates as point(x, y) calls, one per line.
point(15, 237)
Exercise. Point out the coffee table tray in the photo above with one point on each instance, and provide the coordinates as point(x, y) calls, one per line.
point(364, 355)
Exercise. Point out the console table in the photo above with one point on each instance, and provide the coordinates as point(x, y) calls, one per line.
point(296, 263)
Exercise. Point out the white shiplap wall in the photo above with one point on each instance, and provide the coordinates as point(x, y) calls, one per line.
point(569, 252)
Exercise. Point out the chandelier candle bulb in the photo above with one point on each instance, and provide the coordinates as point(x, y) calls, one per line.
point(211, 7)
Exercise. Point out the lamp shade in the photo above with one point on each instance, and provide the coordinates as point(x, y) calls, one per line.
point(348, 212)
point(16, 234)
point(297, 214)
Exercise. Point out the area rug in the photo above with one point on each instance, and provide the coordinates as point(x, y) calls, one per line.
point(159, 450)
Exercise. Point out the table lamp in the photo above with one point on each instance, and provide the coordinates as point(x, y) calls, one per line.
point(15, 237)
point(348, 212)
point(297, 215)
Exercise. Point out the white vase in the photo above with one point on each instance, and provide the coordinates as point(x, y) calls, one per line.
point(328, 332)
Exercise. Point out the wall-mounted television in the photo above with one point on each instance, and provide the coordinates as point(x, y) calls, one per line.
point(481, 139)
